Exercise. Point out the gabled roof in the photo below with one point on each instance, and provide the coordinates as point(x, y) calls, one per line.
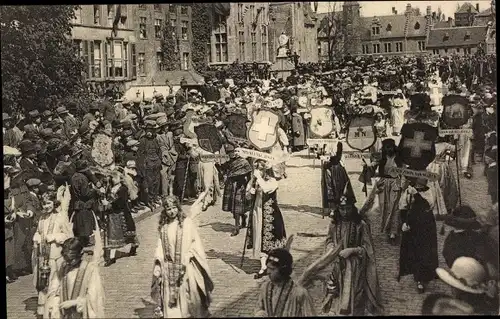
point(456, 37)
point(443, 24)
point(485, 13)
point(465, 8)
point(397, 26)
point(323, 19)
point(309, 16)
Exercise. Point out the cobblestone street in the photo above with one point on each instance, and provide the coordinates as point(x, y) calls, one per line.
point(127, 283)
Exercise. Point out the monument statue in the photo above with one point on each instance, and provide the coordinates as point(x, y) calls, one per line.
point(283, 45)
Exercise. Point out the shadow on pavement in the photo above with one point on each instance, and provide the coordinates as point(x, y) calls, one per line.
point(31, 304)
point(302, 208)
point(250, 266)
point(147, 311)
point(220, 227)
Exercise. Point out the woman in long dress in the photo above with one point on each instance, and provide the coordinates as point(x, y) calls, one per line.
point(268, 227)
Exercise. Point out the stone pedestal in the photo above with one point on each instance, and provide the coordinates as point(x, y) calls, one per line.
point(282, 66)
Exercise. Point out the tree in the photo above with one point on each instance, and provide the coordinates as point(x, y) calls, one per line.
point(169, 48)
point(332, 29)
point(40, 63)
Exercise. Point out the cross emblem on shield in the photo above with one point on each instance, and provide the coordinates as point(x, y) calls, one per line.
point(263, 131)
point(417, 145)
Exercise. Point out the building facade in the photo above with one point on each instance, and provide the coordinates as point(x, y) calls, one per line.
point(298, 21)
point(396, 34)
point(110, 58)
point(466, 14)
point(241, 34)
point(457, 40)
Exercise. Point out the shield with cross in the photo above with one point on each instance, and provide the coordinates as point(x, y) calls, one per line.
point(321, 123)
point(417, 146)
point(263, 130)
point(361, 132)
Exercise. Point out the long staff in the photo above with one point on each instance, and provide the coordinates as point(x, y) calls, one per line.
point(458, 172)
point(185, 180)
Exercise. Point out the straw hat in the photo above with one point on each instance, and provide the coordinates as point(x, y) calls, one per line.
point(466, 274)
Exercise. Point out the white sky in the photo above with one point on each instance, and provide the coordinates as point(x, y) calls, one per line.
point(380, 8)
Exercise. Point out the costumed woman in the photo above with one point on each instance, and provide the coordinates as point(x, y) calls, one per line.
point(419, 252)
point(181, 284)
point(267, 226)
point(387, 189)
point(53, 229)
point(352, 286)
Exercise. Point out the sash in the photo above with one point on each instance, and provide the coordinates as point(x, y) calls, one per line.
point(175, 269)
point(76, 292)
point(284, 294)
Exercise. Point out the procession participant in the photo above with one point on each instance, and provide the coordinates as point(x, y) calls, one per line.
point(185, 172)
point(82, 203)
point(181, 285)
point(292, 300)
point(234, 197)
point(208, 176)
point(53, 229)
point(352, 287)
point(445, 187)
point(491, 167)
point(466, 151)
point(34, 121)
point(335, 183)
point(267, 228)
point(9, 218)
point(149, 159)
point(418, 253)
point(12, 135)
point(77, 287)
point(27, 162)
point(169, 156)
point(399, 107)
point(387, 189)
point(71, 124)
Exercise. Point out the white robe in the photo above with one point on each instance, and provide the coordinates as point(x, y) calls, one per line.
point(398, 114)
point(197, 276)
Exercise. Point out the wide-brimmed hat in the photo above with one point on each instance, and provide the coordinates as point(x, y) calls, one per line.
point(132, 143)
point(169, 111)
point(131, 164)
point(61, 110)
point(82, 166)
point(33, 182)
point(162, 121)
point(150, 124)
point(389, 142)
point(466, 274)
point(12, 169)
point(463, 217)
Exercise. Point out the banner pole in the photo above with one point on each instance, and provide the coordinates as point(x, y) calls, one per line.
point(458, 172)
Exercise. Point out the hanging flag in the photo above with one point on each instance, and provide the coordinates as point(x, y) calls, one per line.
point(118, 15)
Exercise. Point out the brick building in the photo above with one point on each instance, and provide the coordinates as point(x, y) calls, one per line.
point(396, 34)
point(241, 33)
point(465, 15)
point(298, 21)
point(111, 59)
point(457, 40)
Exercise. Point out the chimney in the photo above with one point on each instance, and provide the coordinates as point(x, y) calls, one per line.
point(450, 22)
point(477, 7)
point(429, 9)
point(394, 10)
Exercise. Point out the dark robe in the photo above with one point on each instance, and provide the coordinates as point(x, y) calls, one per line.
point(117, 222)
point(238, 176)
point(419, 251)
point(82, 203)
point(298, 132)
point(149, 158)
point(184, 183)
point(335, 183)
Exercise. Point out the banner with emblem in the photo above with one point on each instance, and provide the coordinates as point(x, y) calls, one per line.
point(321, 123)
point(237, 125)
point(263, 130)
point(456, 110)
point(417, 146)
point(208, 137)
point(361, 133)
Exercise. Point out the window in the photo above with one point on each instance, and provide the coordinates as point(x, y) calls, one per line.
point(97, 17)
point(125, 60)
point(95, 59)
point(157, 7)
point(467, 35)
point(376, 48)
point(457, 50)
point(254, 46)
point(466, 50)
point(265, 50)
point(184, 10)
point(388, 47)
point(421, 45)
point(108, 58)
point(446, 36)
point(142, 28)
point(252, 13)
point(142, 64)
point(185, 61)
point(85, 56)
point(134, 60)
point(172, 8)
point(375, 30)
point(240, 12)
point(173, 23)
point(366, 49)
point(158, 28)
point(110, 14)
point(159, 60)
point(241, 37)
point(435, 51)
point(493, 34)
point(417, 26)
point(389, 28)
point(142, 6)
point(184, 30)
point(118, 58)
point(78, 16)
point(445, 50)
point(399, 46)
point(220, 33)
